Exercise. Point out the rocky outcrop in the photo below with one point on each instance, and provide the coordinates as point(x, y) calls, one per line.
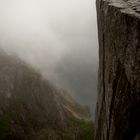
point(118, 107)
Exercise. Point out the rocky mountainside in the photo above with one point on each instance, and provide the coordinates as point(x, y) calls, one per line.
point(118, 107)
point(31, 108)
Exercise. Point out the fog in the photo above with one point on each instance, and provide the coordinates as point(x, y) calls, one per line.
point(58, 38)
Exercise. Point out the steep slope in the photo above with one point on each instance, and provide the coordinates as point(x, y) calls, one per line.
point(71, 107)
point(118, 108)
point(31, 108)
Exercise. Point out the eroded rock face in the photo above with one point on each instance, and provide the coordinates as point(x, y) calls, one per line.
point(118, 107)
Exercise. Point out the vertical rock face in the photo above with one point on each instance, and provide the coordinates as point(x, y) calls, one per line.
point(118, 107)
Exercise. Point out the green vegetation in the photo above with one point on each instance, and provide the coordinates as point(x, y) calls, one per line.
point(84, 129)
point(77, 130)
point(4, 126)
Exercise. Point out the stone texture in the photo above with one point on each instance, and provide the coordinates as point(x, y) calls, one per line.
point(118, 107)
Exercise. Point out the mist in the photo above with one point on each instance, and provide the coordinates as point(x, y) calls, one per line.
point(58, 38)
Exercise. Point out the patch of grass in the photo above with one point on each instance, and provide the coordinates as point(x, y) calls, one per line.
point(84, 130)
point(4, 126)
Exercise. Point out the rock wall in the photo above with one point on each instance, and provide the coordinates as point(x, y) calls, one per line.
point(118, 106)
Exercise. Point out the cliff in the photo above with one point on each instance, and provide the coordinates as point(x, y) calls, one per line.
point(118, 107)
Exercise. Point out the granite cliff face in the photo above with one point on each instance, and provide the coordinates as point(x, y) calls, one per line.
point(118, 107)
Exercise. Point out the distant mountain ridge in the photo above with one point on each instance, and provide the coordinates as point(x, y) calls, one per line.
point(31, 108)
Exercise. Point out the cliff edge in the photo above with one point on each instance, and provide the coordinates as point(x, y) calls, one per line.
point(118, 107)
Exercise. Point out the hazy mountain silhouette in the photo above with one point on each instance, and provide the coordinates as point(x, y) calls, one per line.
point(31, 108)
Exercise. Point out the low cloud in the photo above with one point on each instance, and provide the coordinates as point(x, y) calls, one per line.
point(47, 32)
